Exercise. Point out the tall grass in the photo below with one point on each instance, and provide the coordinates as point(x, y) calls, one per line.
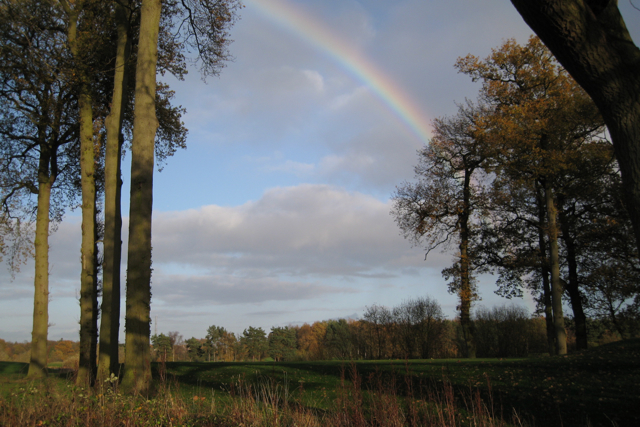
point(265, 401)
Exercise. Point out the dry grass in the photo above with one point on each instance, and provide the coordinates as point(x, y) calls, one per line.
point(265, 402)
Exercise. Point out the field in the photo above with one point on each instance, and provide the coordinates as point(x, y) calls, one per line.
point(599, 387)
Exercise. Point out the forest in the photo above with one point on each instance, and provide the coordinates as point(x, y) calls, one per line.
point(416, 329)
point(535, 181)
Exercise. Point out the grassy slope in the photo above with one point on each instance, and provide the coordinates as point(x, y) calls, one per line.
point(600, 385)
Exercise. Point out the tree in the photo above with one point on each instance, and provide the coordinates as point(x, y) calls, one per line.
point(282, 343)
point(506, 331)
point(110, 309)
point(437, 210)
point(427, 318)
point(214, 340)
point(162, 344)
point(206, 24)
point(137, 374)
point(84, 38)
point(379, 320)
point(38, 129)
point(310, 340)
point(543, 123)
point(170, 135)
point(254, 341)
point(590, 39)
point(338, 340)
point(195, 350)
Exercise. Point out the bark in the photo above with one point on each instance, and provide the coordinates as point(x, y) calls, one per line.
point(88, 279)
point(572, 286)
point(590, 39)
point(110, 322)
point(544, 270)
point(466, 293)
point(554, 261)
point(38, 359)
point(137, 373)
point(88, 250)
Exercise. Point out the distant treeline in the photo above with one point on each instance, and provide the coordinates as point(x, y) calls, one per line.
point(63, 352)
point(415, 329)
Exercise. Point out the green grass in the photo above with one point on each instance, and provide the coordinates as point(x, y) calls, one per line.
point(599, 387)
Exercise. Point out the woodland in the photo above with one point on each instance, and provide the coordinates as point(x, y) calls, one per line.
point(536, 181)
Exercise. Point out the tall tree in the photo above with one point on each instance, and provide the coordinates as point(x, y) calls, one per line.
point(37, 134)
point(79, 38)
point(137, 373)
point(204, 30)
point(110, 309)
point(590, 39)
point(438, 209)
point(378, 320)
point(214, 339)
point(255, 342)
point(541, 120)
point(282, 343)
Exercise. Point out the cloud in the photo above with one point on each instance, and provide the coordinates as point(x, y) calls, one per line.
point(302, 231)
point(344, 99)
point(374, 161)
point(193, 290)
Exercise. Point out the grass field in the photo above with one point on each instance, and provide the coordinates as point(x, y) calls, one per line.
point(599, 387)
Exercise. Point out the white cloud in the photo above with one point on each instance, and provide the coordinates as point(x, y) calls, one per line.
point(344, 99)
point(306, 230)
point(316, 80)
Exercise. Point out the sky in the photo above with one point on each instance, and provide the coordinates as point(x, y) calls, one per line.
point(277, 213)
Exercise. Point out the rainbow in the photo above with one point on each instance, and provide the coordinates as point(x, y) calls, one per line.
point(298, 22)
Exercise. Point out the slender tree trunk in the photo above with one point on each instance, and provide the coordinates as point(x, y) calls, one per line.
point(110, 322)
point(544, 270)
point(466, 293)
point(137, 374)
point(38, 360)
point(572, 286)
point(88, 251)
point(88, 279)
point(556, 286)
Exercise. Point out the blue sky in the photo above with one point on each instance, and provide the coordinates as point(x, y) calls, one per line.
point(278, 211)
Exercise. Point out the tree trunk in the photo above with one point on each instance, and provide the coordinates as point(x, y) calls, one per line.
point(110, 322)
point(88, 250)
point(544, 270)
point(38, 360)
point(590, 39)
point(466, 293)
point(572, 286)
point(88, 279)
point(137, 374)
point(554, 260)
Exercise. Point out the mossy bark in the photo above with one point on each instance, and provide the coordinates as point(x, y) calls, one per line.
point(110, 321)
point(137, 370)
point(88, 251)
point(38, 359)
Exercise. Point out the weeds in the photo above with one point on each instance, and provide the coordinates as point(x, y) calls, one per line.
point(262, 402)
